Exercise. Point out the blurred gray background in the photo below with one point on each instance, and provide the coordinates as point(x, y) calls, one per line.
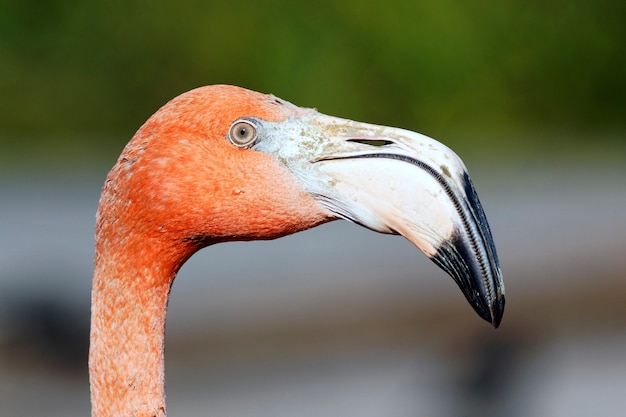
point(336, 321)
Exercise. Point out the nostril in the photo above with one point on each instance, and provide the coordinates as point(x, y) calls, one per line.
point(371, 141)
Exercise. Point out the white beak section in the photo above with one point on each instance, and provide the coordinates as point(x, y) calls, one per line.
point(394, 181)
point(389, 196)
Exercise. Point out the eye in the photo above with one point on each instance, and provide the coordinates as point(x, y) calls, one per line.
point(242, 134)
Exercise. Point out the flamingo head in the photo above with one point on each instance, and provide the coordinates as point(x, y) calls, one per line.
point(222, 163)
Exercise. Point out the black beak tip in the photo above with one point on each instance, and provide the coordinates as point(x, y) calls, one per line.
point(497, 311)
point(454, 258)
point(492, 314)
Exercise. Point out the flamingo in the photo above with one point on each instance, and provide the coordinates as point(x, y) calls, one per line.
point(222, 163)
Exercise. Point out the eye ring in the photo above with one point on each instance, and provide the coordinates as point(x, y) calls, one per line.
point(242, 133)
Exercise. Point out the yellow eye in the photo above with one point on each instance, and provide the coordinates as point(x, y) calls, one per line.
point(242, 134)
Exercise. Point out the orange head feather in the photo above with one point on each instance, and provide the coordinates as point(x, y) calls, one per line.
point(183, 182)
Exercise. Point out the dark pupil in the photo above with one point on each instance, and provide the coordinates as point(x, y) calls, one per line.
point(243, 132)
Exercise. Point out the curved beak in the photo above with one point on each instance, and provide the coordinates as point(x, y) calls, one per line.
point(395, 181)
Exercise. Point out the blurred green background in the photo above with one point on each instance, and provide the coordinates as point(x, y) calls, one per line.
point(79, 77)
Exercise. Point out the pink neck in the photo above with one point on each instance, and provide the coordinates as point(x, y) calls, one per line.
point(126, 364)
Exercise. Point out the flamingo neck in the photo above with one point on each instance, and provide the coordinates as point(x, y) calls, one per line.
point(130, 290)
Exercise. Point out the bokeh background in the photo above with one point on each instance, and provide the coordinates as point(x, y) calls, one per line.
point(337, 320)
